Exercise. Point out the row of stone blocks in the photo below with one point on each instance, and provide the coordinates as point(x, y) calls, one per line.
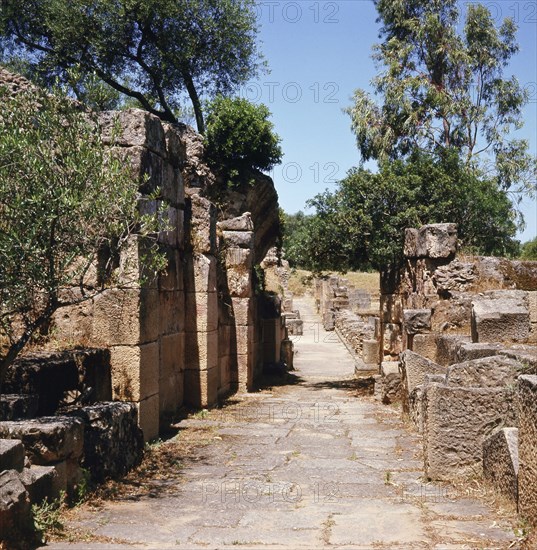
point(477, 414)
point(43, 457)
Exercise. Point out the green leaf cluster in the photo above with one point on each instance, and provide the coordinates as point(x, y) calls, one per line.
point(67, 210)
point(362, 223)
point(153, 51)
point(240, 138)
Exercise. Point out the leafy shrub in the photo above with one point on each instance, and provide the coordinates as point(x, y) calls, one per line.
point(239, 138)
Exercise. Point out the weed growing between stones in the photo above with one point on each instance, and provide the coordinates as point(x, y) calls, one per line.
point(47, 517)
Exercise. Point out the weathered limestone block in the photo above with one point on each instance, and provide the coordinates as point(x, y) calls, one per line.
point(148, 416)
point(240, 223)
point(41, 482)
point(425, 345)
point(392, 339)
point(201, 311)
point(135, 371)
point(527, 355)
point(133, 127)
point(474, 350)
point(171, 312)
point(415, 407)
point(15, 517)
point(201, 387)
point(391, 382)
point(125, 317)
point(146, 166)
point(11, 455)
point(202, 225)
point(500, 461)
point(200, 275)
point(453, 315)
point(417, 320)
point(245, 338)
point(415, 368)
point(243, 310)
point(437, 240)
point(113, 442)
point(175, 146)
point(295, 327)
point(457, 421)
point(410, 248)
point(370, 352)
point(391, 307)
point(527, 450)
point(239, 239)
point(239, 283)
point(447, 346)
point(201, 350)
point(239, 258)
point(18, 406)
point(47, 439)
point(501, 316)
point(487, 372)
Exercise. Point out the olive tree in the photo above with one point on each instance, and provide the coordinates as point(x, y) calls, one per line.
point(67, 210)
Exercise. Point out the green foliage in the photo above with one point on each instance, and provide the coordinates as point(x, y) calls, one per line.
point(67, 210)
point(362, 223)
point(529, 250)
point(239, 138)
point(442, 87)
point(153, 51)
point(47, 517)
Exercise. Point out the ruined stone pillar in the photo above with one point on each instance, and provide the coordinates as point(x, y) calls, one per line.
point(236, 248)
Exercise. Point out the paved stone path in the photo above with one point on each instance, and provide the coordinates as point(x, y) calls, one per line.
point(312, 465)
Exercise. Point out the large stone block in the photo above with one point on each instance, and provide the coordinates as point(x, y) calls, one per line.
point(200, 275)
point(47, 439)
point(146, 167)
point(175, 146)
point(415, 368)
point(500, 461)
point(201, 387)
point(133, 127)
point(453, 315)
point(487, 372)
point(240, 223)
point(11, 455)
point(42, 482)
point(456, 422)
point(527, 449)
point(135, 371)
point(201, 350)
point(172, 355)
point(15, 516)
point(391, 382)
point(425, 345)
point(126, 317)
point(437, 240)
point(501, 316)
point(202, 225)
point(393, 343)
point(239, 239)
point(17, 406)
point(148, 417)
point(171, 312)
point(243, 310)
point(113, 442)
point(201, 311)
point(474, 350)
point(239, 258)
point(391, 307)
point(370, 352)
point(245, 338)
point(239, 282)
point(417, 320)
point(447, 346)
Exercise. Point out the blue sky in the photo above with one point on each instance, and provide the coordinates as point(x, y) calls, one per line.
point(318, 53)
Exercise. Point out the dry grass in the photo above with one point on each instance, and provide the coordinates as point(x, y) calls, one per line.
point(301, 281)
